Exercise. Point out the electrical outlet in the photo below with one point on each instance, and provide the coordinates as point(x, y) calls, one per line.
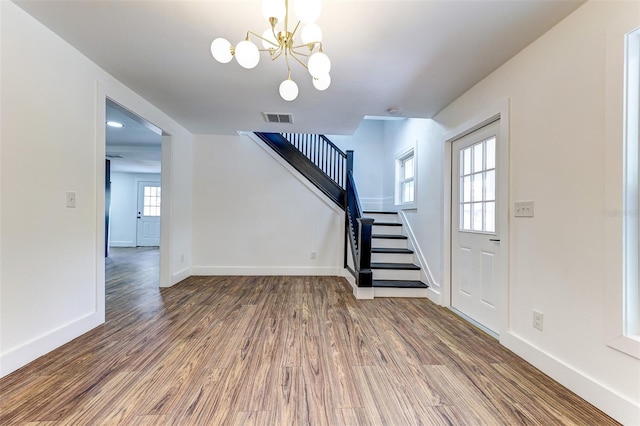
point(538, 320)
point(182, 258)
point(313, 255)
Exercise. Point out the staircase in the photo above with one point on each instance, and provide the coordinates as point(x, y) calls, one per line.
point(383, 265)
point(392, 262)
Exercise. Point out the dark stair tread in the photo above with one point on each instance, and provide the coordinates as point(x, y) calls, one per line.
point(372, 212)
point(387, 224)
point(390, 236)
point(386, 265)
point(391, 250)
point(399, 284)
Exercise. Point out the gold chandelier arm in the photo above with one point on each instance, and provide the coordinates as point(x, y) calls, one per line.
point(286, 59)
point(293, 55)
point(311, 45)
point(277, 46)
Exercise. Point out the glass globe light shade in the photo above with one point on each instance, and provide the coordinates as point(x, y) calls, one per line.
point(247, 54)
point(322, 82)
point(311, 33)
point(288, 90)
point(308, 11)
point(221, 50)
point(274, 9)
point(268, 34)
point(319, 64)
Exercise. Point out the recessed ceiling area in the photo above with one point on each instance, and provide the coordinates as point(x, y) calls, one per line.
point(418, 56)
point(136, 146)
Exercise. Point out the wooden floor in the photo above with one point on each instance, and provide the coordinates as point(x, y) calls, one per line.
point(278, 351)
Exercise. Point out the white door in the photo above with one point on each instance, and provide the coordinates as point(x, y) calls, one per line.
point(148, 233)
point(478, 274)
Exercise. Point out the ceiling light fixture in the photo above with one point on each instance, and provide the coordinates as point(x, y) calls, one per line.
point(114, 124)
point(281, 43)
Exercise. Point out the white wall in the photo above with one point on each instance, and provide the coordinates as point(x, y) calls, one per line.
point(426, 219)
point(252, 217)
point(124, 207)
point(52, 132)
point(566, 115)
point(368, 161)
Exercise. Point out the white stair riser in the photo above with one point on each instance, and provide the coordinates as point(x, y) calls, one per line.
point(400, 292)
point(388, 242)
point(392, 257)
point(396, 274)
point(382, 217)
point(388, 230)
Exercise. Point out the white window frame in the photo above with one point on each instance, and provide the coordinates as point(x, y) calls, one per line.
point(622, 201)
point(400, 180)
point(631, 202)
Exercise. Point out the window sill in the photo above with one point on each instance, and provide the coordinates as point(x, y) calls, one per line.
point(629, 345)
point(407, 206)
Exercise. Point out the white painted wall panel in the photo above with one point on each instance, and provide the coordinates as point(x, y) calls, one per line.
point(52, 131)
point(562, 123)
point(252, 216)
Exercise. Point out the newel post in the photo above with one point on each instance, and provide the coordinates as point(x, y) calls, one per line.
point(349, 161)
point(365, 277)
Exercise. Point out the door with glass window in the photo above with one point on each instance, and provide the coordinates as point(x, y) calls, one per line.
point(475, 240)
point(148, 227)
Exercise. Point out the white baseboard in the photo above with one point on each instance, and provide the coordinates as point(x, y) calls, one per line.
point(620, 408)
point(434, 295)
point(22, 355)
point(358, 292)
point(122, 243)
point(266, 270)
point(180, 275)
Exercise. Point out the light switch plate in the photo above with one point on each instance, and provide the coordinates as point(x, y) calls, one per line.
point(524, 208)
point(71, 199)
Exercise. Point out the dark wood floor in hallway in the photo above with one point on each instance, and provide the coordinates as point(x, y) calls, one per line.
point(278, 351)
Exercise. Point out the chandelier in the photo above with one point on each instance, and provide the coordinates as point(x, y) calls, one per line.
point(280, 42)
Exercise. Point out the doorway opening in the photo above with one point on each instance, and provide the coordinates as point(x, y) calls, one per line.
point(133, 188)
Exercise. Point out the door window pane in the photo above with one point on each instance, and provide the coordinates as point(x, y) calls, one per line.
point(478, 186)
point(151, 202)
point(477, 158)
point(491, 154)
point(490, 185)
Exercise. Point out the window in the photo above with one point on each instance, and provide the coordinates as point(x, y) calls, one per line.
point(406, 179)
point(631, 218)
point(478, 187)
point(151, 205)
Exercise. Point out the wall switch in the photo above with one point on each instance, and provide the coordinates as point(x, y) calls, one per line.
point(313, 254)
point(524, 208)
point(71, 200)
point(538, 320)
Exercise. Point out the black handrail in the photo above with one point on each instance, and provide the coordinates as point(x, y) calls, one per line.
point(323, 153)
point(359, 234)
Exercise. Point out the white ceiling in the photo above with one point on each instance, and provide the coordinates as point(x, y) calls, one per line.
point(415, 55)
point(135, 147)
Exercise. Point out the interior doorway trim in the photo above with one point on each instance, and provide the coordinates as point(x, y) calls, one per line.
point(165, 275)
point(499, 111)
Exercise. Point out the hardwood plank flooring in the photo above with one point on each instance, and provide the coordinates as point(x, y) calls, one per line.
point(278, 351)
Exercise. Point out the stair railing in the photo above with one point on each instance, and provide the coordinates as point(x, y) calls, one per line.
point(359, 230)
point(331, 170)
point(323, 153)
